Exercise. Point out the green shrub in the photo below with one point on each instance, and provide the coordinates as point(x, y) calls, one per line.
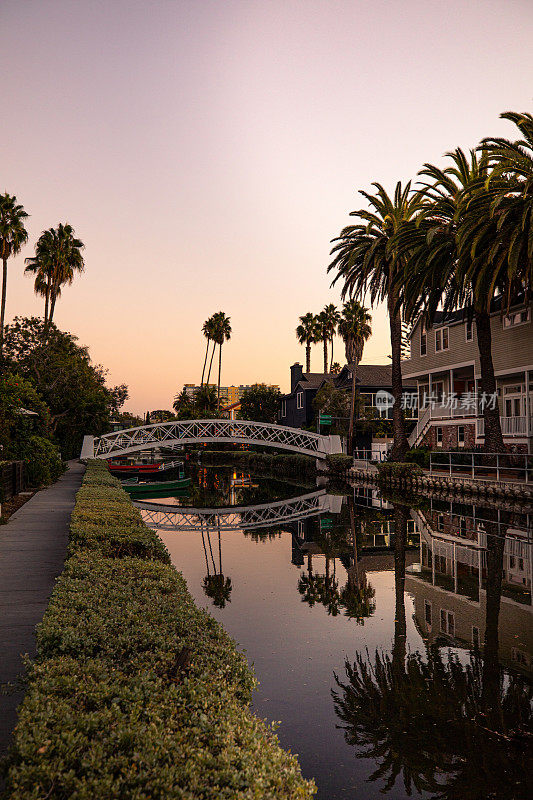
point(135, 692)
point(418, 455)
point(339, 462)
point(397, 469)
point(42, 461)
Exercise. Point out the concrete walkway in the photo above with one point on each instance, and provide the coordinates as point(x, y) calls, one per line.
point(32, 552)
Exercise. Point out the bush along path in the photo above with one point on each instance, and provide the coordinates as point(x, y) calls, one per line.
point(135, 692)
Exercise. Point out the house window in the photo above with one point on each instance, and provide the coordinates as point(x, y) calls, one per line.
point(469, 331)
point(299, 400)
point(427, 612)
point(516, 318)
point(447, 622)
point(438, 431)
point(461, 435)
point(283, 408)
point(423, 342)
point(441, 339)
point(475, 636)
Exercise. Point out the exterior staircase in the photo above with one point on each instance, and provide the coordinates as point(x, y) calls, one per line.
point(421, 428)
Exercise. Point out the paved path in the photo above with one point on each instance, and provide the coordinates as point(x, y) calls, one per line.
point(32, 552)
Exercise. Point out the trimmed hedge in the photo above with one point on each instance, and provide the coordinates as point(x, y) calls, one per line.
point(339, 463)
point(398, 469)
point(135, 692)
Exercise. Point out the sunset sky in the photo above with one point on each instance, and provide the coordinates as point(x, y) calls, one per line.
point(206, 152)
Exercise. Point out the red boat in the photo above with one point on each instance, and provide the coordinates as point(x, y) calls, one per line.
point(131, 470)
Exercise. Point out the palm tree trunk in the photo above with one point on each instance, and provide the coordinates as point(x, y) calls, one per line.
point(400, 626)
point(400, 446)
point(211, 362)
point(351, 425)
point(52, 305)
point(46, 302)
point(219, 369)
point(491, 666)
point(325, 354)
point(493, 429)
point(205, 362)
point(3, 306)
point(331, 360)
point(308, 357)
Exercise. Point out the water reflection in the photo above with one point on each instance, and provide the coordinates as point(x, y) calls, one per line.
point(391, 636)
point(451, 729)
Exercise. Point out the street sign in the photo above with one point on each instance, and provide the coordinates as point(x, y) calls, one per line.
point(325, 419)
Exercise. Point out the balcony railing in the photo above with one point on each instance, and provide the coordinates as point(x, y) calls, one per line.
point(515, 467)
point(511, 426)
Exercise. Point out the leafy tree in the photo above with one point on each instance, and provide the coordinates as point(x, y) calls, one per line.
point(260, 403)
point(354, 328)
point(162, 415)
point(13, 235)
point(329, 400)
point(57, 259)
point(61, 371)
point(307, 334)
point(366, 261)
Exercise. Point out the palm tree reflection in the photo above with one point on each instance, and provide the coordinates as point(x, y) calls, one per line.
point(456, 731)
point(215, 584)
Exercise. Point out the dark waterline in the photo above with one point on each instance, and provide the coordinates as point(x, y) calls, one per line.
point(298, 636)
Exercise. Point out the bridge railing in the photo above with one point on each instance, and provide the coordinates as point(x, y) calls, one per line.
point(212, 430)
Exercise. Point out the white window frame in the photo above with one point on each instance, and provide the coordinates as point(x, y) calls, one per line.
point(424, 339)
point(299, 400)
point(447, 616)
point(469, 326)
point(513, 320)
point(461, 440)
point(439, 435)
point(439, 339)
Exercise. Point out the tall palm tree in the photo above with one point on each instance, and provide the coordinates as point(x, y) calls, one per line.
point(207, 330)
point(334, 317)
point(221, 334)
point(326, 325)
point(449, 260)
point(13, 235)
point(354, 329)
point(57, 258)
point(513, 160)
point(366, 260)
point(307, 333)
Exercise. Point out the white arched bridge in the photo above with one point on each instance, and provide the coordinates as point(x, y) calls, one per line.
point(181, 518)
point(199, 431)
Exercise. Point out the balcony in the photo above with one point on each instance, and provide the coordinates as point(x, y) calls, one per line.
point(511, 426)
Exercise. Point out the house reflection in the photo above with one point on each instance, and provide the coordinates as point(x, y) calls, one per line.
point(449, 584)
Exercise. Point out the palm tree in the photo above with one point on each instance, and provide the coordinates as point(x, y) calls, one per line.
point(514, 205)
point(307, 333)
point(449, 260)
point(365, 259)
point(354, 329)
point(334, 318)
point(13, 235)
point(326, 326)
point(207, 330)
point(221, 334)
point(205, 400)
point(57, 258)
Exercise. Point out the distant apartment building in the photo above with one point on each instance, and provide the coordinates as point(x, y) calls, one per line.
point(444, 363)
point(228, 394)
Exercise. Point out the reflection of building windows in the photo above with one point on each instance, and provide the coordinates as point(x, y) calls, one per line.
point(447, 622)
point(427, 613)
point(462, 526)
point(300, 400)
point(519, 657)
point(475, 637)
point(440, 523)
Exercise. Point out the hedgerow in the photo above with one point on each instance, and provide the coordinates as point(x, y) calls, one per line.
point(135, 692)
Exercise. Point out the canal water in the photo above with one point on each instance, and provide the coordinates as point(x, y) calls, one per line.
point(392, 637)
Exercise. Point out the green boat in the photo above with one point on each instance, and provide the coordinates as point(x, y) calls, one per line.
point(163, 489)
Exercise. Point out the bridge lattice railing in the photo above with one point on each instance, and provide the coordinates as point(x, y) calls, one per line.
point(208, 430)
